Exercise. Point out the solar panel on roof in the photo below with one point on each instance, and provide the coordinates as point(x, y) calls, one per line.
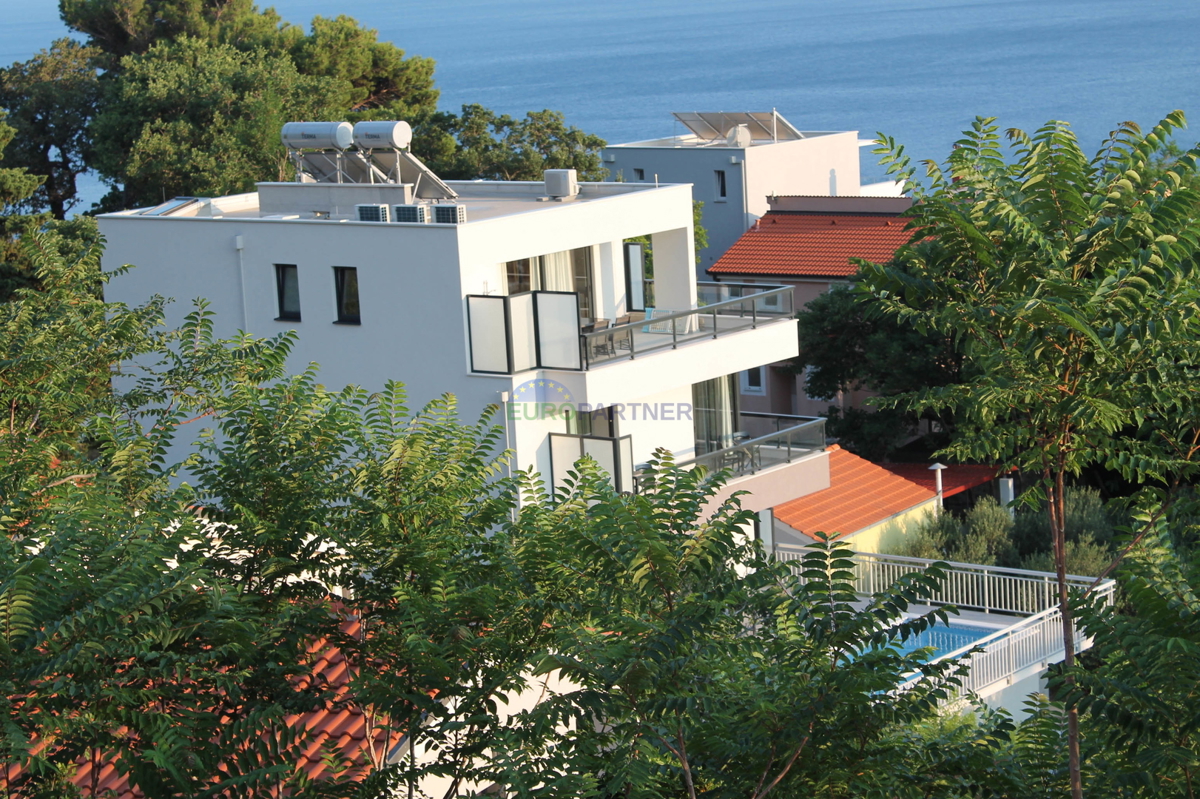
point(763, 125)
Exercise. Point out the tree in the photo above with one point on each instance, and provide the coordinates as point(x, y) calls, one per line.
point(52, 99)
point(193, 118)
point(480, 143)
point(703, 667)
point(120, 28)
point(16, 186)
point(380, 78)
point(1068, 287)
point(1138, 695)
point(846, 344)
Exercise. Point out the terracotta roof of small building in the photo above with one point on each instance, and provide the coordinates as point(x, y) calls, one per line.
point(340, 728)
point(955, 479)
point(812, 244)
point(861, 494)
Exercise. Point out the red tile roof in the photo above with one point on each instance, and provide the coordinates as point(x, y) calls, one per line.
point(860, 495)
point(955, 479)
point(812, 245)
point(345, 731)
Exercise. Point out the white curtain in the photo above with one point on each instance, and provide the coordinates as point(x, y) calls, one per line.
point(557, 274)
point(715, 405)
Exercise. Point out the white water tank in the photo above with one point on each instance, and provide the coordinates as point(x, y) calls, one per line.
point(317, 135)
point(739, 136)
point(382, 135)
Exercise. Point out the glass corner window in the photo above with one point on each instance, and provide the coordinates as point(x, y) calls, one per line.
point(346, 284)
point(287, 285)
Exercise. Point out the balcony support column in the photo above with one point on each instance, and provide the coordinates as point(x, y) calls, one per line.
point(674, 269)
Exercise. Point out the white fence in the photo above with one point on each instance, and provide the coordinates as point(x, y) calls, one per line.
point(1034, 640)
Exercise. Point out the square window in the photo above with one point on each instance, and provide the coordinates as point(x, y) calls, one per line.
point(287, 285)
point(753, 381)
point(345, 280)
point(639, 174)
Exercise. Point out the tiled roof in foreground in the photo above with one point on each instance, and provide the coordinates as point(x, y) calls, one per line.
point(341, 728)
point(861, 494)
point(812, 244)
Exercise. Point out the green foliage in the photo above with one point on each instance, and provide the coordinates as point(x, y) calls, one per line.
point(480, 143)
point(1069, 287)
point(188, 117)
point(987, 535)
point(1139, 697)
point(846, 344)
point(51, 100)
point(120, 28)
point(60, 345)
point(199, 90)
point(1065, 284)
point(378, 75)
point(715, 670)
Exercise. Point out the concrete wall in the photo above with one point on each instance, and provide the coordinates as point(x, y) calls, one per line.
point(890, 535)
point(779, 484)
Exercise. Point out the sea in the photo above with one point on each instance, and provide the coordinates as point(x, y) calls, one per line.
point(919, 70)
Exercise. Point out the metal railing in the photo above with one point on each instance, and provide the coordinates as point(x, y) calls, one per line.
point(667, 330)
point(710, 292)
point(753, 455)
point(1034, 640)
point(988, 589)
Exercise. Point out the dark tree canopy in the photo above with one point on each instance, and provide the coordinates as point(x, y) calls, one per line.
point(846, 344)
point(52, 99)
point(193, 118)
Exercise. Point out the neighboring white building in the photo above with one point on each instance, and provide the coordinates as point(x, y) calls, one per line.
point(736, 161)
point(509, 291)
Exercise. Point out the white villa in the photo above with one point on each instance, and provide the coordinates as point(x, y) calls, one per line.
point(522, 294)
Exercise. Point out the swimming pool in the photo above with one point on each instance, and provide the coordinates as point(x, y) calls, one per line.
point(946, 638)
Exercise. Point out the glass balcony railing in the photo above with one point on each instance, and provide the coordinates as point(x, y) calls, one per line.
point(514, 333)
point(765, 440)
point(663, 329)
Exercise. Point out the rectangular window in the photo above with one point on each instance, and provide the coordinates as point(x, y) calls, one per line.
point(287, 286)
point(581, 266)
point(600, 422)
point(345, 279)
point(752, 381)
point(520, 275)
point(639, 174)
point(721, 183)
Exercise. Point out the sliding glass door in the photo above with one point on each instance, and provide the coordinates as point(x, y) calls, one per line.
point(569, 270)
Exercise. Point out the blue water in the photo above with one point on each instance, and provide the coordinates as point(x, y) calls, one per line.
point(945, 638)
point(919, 70)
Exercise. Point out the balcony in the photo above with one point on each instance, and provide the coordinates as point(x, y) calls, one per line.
point(763, 441)
point(543, 329)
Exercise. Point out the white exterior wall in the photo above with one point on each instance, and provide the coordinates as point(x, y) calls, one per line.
point(413, 283)
point(825, 165)
point(753, 173)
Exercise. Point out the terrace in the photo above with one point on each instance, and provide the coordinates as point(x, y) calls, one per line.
point(1009, 628)
point(545, 330)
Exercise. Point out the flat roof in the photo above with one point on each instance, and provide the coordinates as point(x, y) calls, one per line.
point(483, 199)
point(692, 140)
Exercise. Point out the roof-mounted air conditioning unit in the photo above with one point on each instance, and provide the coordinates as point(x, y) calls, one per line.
point(372, 212)
point(449, 214)
point(561, 183)
point(411, 213)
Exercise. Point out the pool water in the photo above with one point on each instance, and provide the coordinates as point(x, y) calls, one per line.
point(945, 638)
